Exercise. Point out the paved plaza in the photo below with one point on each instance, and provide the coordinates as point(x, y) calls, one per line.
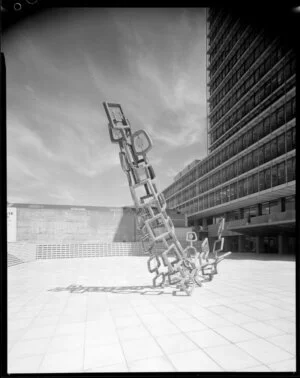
point(102, 315)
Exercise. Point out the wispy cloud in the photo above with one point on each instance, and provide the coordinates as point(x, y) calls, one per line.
point(152, 61)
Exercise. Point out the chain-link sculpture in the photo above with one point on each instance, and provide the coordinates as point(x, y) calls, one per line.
point(171, 264)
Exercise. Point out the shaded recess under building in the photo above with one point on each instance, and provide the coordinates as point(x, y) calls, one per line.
point(250, 171)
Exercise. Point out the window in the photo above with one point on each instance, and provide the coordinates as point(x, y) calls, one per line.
point(255, 134)
point(267, 178)
point(287, 70)
point(294, 106)
point(245, 141)
point(274, 148)
point(275, 206)
point(239, 145)
point(205, 205)
point(211, 200)
point(274, 176)
point(250, 161)
point(245, 164)
point(218, 197)
point(245, 183)
point(281, 144)
point(253, 211)
point(234, 190)
point(230, 150)
point(260, 130)
point(280, 116)
point(261, 155)
point(280, 77)
point(255, 183)
point(223, 195)
point(200, 203)
point(267, 151)
point(261, 180)
point(265, 208)
point(250, 185)
point(294, 138)
point(289, 140)
point(255, 158)
point(288, 111)
point(291, 173)
point(266, 126)
point(290, 203)
point(273, 122)
point(246, 213)
point(281, 173)
point(240, 189)
point(240, 166)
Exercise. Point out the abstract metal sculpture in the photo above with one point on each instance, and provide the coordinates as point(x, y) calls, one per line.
point(171, 264)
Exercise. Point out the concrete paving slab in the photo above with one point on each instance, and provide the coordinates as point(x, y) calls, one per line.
point(102, 314)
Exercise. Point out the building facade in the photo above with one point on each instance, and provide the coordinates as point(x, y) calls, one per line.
point(249, 173)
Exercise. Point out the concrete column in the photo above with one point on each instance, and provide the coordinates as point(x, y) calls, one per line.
point(282, 244)
point(259, 244)
point(241, 241)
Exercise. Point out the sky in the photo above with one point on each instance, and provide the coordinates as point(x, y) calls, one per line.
point(63, 63)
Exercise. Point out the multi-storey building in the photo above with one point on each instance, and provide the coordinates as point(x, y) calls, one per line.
point(249, 173)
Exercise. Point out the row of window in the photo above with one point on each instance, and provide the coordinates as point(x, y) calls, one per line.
point(216, 80)
point(253, 106)
point(269, 123)
point(248, 102)
point(269, 61)
point(215, 14)
point(256, 111)
point(270, 207)
point(268, 151)
point(226, 22)
point(216, 62)
point(212, 13)
point(270, 177)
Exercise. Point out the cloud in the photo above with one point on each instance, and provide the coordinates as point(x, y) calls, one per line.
point(171, 172)
point(151, 61)
point(64, 196)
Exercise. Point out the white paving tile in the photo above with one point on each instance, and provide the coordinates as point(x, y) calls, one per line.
point(282, 366)
point(28, 364)
point(69, 361)
point(262, 329)
point(133, 332)
point(154, 364)
point(141, 349)
point(207, 338)
point(176, 343)
point(193, 361)
point(286, 342)
point(231, 357)
point(235, 333)
point(103, 355)
point(117, 368)
point(264, 351)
